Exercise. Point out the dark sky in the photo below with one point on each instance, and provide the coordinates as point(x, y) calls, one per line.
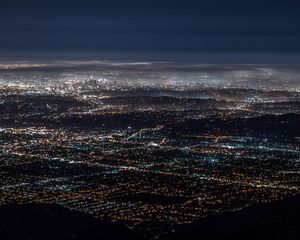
point(151, 28)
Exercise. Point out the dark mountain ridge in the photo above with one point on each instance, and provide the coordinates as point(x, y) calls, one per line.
point(269, 221)
point(278, 220)
point(47, 221)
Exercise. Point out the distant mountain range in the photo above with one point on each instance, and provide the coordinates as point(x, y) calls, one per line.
point(270, 221)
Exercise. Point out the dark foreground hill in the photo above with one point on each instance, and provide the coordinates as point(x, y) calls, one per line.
point(279, 220)
point(270, 221)
point(52, 222)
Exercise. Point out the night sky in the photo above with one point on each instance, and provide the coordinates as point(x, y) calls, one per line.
point(230, 30)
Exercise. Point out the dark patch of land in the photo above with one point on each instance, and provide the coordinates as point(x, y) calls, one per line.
point(277, 126)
